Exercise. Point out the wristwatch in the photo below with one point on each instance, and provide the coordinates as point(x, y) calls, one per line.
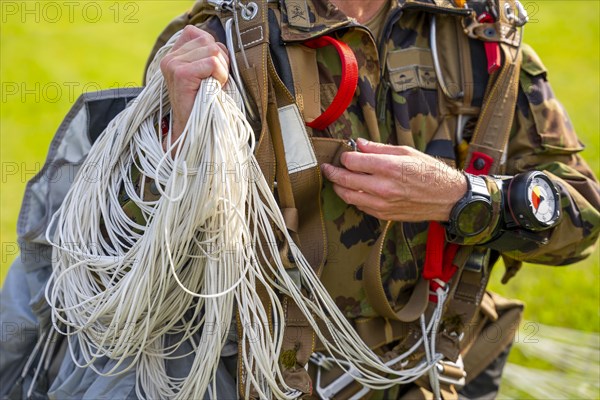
point(532, 202)
point(473, 212)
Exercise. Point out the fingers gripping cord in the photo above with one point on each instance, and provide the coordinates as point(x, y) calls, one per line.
point(135, 291)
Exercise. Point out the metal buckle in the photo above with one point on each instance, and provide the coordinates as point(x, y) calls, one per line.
point(338, 384)
point(221, 5)
point(248, 11)
point(452, 379)
point(518, 18)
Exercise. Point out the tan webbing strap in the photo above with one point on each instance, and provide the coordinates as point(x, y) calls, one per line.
point(300, 187)
point(298, 344)
point(254, 35)
point(375, 292)
point(299, 195)
point(421, 393)
point(489, 143)
point(485, 154)
point(495, 121)
point(284, 184)
point(329, 150)
point(490, 138)
point(376, 332)
point(298, 180)
point(303, 63)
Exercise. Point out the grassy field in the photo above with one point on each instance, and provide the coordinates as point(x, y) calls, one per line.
point(50, 52)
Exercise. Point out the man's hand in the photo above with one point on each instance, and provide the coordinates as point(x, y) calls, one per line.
point(397, 183)
point(194, 57)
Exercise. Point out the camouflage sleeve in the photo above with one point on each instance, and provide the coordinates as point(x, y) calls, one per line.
point(543, 138)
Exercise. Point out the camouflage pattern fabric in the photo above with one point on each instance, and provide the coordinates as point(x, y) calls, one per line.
point(398, 102)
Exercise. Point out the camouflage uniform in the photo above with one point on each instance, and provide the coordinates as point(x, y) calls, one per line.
point(400, 104)
point(398, 101)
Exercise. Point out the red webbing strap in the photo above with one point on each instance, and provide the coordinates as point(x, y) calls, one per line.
point(348, 83)
point(434, 255)
point(438, 257)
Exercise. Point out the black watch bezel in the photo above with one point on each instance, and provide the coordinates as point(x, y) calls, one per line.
point(477, 196)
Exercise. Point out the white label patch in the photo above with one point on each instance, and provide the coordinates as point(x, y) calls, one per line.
point(299, 153)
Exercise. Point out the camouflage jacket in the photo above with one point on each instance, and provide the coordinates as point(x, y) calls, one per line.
point(398, 101)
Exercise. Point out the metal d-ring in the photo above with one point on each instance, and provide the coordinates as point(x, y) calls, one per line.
point(249, 11)
point(522, 17)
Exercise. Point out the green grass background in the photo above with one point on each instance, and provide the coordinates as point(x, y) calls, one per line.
point(80, 52)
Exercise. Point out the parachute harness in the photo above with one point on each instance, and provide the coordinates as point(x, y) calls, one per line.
point(137, 291)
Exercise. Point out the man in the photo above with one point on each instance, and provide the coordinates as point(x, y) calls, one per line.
point(408, 165)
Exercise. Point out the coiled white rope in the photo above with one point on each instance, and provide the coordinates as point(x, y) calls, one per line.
point(125, 290)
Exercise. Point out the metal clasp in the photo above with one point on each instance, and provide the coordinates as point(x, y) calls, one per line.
point(338, 384)
point(517, 19)
point(247, 11)
point(452, 373)
point(221, 5)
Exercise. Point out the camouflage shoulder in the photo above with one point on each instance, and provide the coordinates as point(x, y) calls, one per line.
point(532, 63)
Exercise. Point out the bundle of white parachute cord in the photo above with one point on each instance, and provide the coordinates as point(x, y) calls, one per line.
point(119, 291)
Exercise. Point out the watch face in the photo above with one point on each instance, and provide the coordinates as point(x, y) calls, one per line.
point(474, 217)
point(541, 199)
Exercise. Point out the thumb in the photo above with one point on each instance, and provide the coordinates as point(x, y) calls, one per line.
point(367, 146)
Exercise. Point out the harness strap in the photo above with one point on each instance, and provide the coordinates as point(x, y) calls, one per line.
point(375, 292)
point(298, 188)
point(303, 63)
point(254, 42)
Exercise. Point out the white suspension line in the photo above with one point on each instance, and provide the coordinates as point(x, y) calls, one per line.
point(123, 289)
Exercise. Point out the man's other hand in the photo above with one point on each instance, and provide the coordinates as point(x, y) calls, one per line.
point(397, 183)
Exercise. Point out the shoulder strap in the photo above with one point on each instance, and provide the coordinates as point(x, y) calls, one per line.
point(298, 183)
point(488, 146)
